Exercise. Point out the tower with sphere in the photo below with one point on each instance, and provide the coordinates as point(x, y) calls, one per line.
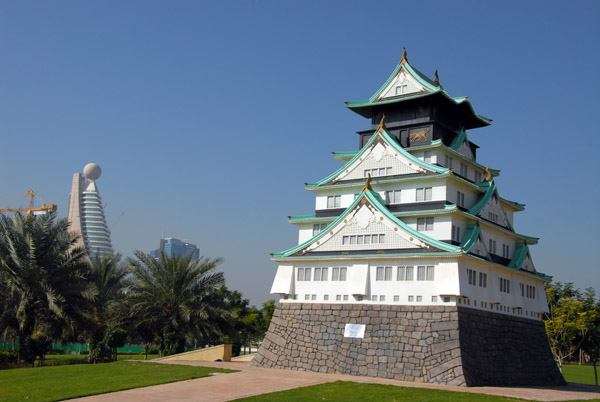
point(86, 212)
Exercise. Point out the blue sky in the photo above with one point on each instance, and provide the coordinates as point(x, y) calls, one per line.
point(208, 116)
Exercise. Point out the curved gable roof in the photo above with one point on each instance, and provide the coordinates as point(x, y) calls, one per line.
point(389, 140)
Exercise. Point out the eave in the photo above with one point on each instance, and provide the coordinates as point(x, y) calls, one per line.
point(380, 133)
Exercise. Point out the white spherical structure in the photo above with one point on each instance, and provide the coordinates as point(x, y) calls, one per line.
point(92, 171)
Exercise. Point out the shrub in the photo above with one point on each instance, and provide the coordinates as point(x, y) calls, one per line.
point(8, 358)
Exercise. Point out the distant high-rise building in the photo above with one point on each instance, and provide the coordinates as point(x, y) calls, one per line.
point(86, 214)
point(175, 248)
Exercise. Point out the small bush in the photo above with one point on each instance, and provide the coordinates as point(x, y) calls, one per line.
point(8, 358)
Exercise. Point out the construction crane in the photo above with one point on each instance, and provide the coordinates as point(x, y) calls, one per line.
point(45, 208)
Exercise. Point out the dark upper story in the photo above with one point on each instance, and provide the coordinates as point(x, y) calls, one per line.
point(417, 110)
point(416, 125)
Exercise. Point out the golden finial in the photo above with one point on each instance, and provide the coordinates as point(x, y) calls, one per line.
point(381, 127)
point(404, 59)
point(436, 79)
point(488, 175)
point(367, 184)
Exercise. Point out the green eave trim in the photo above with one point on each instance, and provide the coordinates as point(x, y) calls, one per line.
point(275, 257)
point(344, 156)
point(374, 199)
point(516, 205)
point(388, 139)
point(458, 140)
point(536, 274)
point(490, 187)
point(470, 237)
point(521, 250)
point(439, 143)
point(457, 101)
point(297, 218)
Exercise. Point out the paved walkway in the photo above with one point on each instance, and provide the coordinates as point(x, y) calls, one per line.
point(254, 381)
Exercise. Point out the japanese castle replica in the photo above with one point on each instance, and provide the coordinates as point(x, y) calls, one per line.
point(410, 267)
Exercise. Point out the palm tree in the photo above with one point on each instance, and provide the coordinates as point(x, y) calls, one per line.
point(108, 278)
point(170, 297)
point(45, 289)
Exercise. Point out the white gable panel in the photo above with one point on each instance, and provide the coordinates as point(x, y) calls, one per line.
point(385, 159)
point(283, 280)
point(366, 221)
point(358, 276)
point(494, 207)
point(465, 150)
point(402, 84)
point(479, 249)
point(528, 264)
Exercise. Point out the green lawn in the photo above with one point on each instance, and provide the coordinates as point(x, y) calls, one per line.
point(64, 382)
point(61, 360)
point(580, 374)
point(351, 391)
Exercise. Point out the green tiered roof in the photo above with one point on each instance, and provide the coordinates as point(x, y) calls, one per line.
point(373, 198)
point(392, 142)
point(432, 89)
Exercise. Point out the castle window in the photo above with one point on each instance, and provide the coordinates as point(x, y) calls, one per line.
point(460, 199)
point(392, 197)
point(424, 224)
point(505, 251)
point(386, 171)
point(434, 299)
point(396, 298)
point(345, 297)
point(338, 298)
point(374, 298)
point(338, 273)
point(477, 176)
point(321, 274)
point(306, 297)
point(411, 299)
point(464, 170)
point(483, 280)
point(456, 233)
point(448, 161)
point(313, 297)
point(405, 273)
point(504, 285)
point(334, 201)
point(317, 227)
point(384, 274)
point(492, 248)
point(419, 299)
point(430, 273)
point(325, 297)
point(421, 273)
point(427, 156)
point(303, 274)
point(493, 217)
point(424, 194)
point(401, 89)
point(472, 276)
point(381, 298)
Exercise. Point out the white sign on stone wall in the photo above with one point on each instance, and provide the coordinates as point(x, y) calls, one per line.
point(354, 331)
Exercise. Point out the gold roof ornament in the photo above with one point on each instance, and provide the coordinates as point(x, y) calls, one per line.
point(367, 184)
point(404, 59)
point(381, 127)
point(436, 78)
point(488, 175)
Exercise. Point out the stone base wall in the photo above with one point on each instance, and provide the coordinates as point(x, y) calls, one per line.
point(435, 344)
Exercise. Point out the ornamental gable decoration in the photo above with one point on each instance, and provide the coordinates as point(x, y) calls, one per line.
point(402, 84)
point(381, 156)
